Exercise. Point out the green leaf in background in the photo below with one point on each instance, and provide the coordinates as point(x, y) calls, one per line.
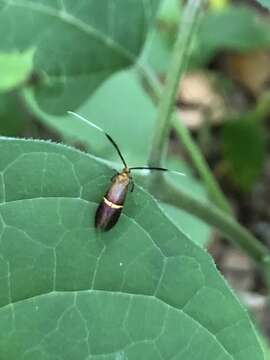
point(244, 150)
point(121, 107)
point(265, 3)
point(157, 51)
point(159, 43)
point(248, 31)
point(197, 230)
point(12, 118)
point(169, 12)
point(141, 291)
point(78, 43)
point(15, 69)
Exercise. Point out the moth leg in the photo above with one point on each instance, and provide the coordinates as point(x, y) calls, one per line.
point(132, 186)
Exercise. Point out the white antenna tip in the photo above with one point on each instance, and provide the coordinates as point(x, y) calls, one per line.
point(177, 172)
point(89, 123)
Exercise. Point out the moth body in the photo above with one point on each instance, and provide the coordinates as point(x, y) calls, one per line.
point(111, 206)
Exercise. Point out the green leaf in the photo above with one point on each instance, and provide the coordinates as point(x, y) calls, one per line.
point(12, 119)
point(197, 230)
point(244, 150)
point(159, 43)
point(157, 51)
point(247, 30)
point(141, 291)
point(265, 3)
point(78, 43)
point(169, 12)
point(117, 107)
point(15, 69)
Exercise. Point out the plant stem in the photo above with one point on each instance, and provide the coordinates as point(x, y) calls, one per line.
point(159, 186)
point(163, 190)
point(154, 88)
point(186, 31)
point(215, 193)
point(212, 186)
point(185, 34)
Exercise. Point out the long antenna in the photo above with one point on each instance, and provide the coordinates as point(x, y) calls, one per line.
point(89, 123)
point(156, 168)
point(148, 168)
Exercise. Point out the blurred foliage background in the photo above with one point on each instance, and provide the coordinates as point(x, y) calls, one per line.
point(224, 100)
